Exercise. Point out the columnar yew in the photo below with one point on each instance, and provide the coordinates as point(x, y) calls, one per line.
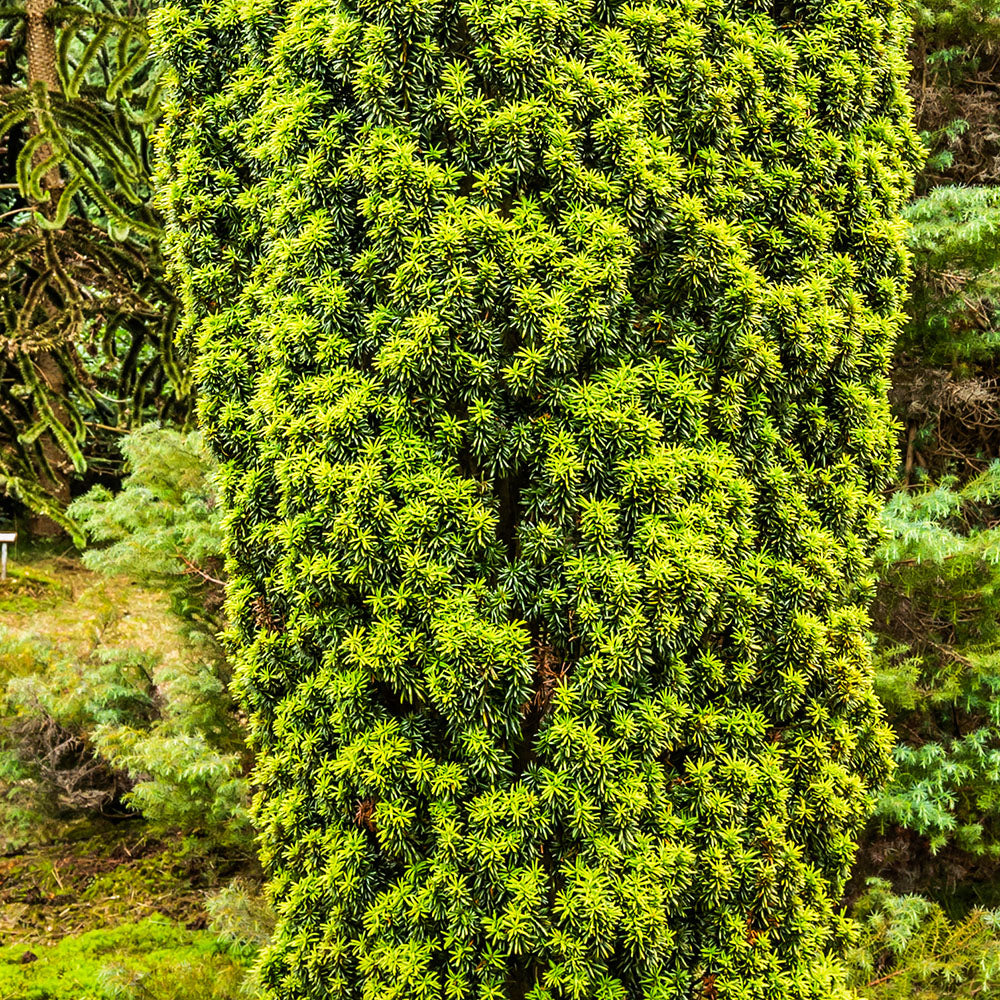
point(543, 345)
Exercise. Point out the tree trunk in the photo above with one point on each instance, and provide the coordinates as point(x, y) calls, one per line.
point(41, 48)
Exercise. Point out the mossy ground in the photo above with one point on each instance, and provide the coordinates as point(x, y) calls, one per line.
point(102, 909)
point(151, 958)
point(51, 596)
point(113, 916)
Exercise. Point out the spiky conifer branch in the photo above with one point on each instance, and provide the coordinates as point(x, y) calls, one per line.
point(88, 320)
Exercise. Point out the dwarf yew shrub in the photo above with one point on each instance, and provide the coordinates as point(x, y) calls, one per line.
point(543, 345)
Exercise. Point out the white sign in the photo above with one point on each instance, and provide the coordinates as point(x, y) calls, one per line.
point(5, 537)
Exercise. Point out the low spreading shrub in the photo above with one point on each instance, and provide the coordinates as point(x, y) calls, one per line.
point(907, 948)
point(116, 730)
point(938, 661)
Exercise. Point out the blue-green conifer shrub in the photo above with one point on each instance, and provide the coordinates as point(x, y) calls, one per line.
point(543, 346)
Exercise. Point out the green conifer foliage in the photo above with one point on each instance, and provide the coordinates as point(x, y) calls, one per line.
point(543, 345)
point(87, 319)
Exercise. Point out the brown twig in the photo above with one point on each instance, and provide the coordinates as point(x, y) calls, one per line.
point(195, 569)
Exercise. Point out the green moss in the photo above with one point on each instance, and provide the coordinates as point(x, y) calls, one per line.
point(109, 878)
point(28, 590)
point(170, 871)
point(154, 958)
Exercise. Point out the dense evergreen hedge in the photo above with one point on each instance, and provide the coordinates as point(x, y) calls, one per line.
point(544, 345)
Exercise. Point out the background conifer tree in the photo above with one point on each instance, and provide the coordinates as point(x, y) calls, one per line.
point(935, 616)
point(544, 348)
point(87, 321)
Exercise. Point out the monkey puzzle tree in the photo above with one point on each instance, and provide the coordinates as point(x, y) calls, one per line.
point(87, 320)
point(544, 346)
